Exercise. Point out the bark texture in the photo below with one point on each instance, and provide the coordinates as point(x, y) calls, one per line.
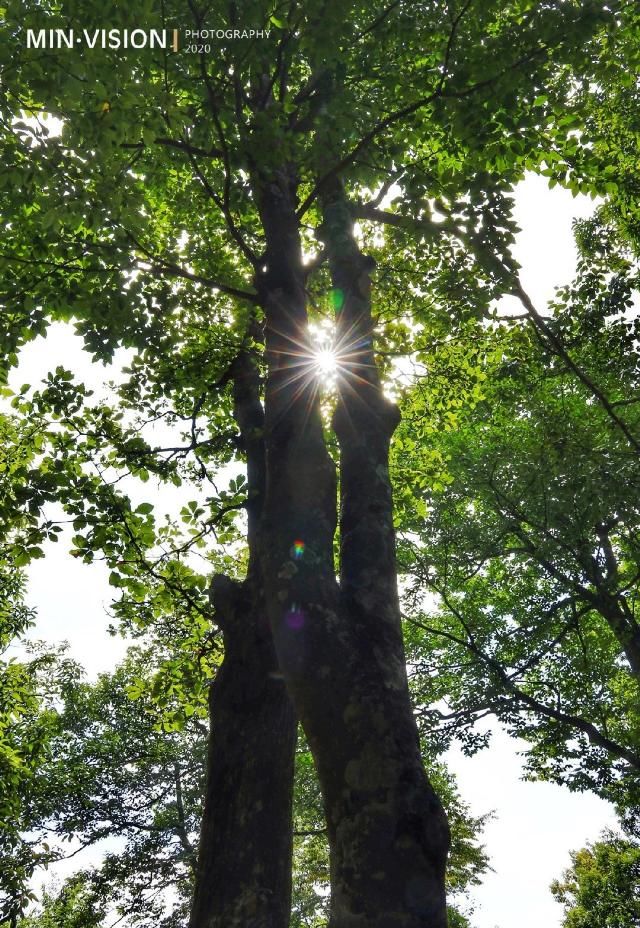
point(339, 646)
point(605, 593)
point(393, 814)
point(244, 865)
point(624, 626)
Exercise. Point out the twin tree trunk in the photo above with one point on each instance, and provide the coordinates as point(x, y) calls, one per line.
point(336, 645)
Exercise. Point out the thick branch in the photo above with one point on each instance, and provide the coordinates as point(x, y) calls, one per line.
point(181, 828)
point(249, 415)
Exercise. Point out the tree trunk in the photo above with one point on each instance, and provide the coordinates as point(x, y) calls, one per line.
point(413, 856)
point(624, 626)
point(340, 647)
point(244, 864)
point(607, 598)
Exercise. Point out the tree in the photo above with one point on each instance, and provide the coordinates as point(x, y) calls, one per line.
point(19, 756)
point(530, 539)
point(24, 728)
point(110, 771)
point(602, 887)
point(520, 512)
point(72, 906)
point(284, 143)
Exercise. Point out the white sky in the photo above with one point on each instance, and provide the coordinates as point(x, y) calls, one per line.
point(536, 824)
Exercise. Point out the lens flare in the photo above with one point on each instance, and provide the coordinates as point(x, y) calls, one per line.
point(298, 549)
point(295, 618)
point(337, 299)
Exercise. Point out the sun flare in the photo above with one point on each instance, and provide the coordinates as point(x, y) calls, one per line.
point(326, 362)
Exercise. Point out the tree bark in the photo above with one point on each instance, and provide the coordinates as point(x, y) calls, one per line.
point(608, 599)
point(340, 646)
point(244, 864)
point(623, 625)
point(364, 421)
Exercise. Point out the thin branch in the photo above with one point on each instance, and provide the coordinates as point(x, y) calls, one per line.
point(186, 147)
point(223, 205)
point(180, 828)
point(555, 344)
point(174, 270)
point(367, 138)
point(573, 721)
point(451, 41)
point(370, 213)
point(402, 113)
point(378, 20)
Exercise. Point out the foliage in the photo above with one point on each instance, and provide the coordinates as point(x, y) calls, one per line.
point(521, 519)
point(27, 727)
point(24, 726)
point(73, 906)
point(601, 889)
point(112, 774)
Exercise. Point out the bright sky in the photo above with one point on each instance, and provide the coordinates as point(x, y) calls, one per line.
point(535, 824)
